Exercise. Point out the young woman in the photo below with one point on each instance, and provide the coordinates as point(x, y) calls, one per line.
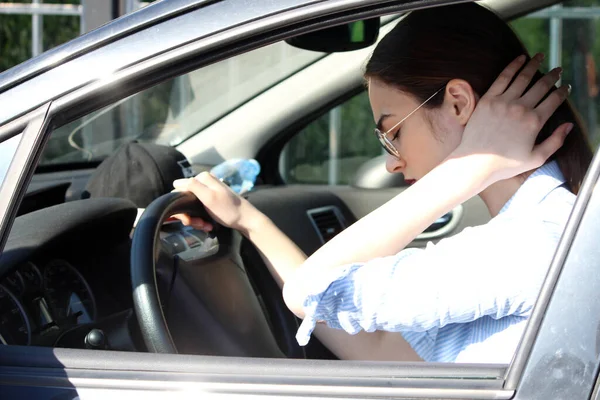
point(457, 123)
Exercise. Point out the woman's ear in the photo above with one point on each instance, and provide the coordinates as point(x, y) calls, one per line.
point(461, 100)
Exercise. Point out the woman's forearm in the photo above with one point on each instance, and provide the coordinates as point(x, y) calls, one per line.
point(391, 227)
point(383, 232)
point(280, 253)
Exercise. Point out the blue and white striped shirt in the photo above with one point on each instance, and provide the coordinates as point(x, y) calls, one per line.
point(466, 298)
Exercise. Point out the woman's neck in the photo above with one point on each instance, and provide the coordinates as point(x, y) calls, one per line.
point(496, 195)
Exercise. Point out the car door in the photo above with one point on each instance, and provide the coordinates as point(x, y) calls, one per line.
point(553, 344)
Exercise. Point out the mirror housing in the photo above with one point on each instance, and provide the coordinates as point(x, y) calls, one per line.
point(347, 37)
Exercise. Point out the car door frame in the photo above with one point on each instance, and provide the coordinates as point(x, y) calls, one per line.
point(84, 371)
point(29, 130)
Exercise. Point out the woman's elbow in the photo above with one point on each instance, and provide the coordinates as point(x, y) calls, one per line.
point(293, 297)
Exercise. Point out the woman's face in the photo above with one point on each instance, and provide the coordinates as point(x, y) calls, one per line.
point(423, 140)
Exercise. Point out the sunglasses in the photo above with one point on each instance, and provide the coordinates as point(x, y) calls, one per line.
point(382, 136)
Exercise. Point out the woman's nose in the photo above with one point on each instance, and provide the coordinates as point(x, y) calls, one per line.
point(394, 165)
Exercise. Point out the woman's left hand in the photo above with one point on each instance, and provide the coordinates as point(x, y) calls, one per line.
point(507, 120)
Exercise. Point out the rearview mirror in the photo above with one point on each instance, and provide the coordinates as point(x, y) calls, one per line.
point(353, 36)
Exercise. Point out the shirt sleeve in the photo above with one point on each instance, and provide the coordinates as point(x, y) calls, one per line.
point(483, 271)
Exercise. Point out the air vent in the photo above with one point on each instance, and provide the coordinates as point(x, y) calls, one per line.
point(327, 221)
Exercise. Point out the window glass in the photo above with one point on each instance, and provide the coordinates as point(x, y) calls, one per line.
point(174, 110)
point(347, 131)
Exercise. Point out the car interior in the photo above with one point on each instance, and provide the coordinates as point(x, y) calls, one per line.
point(108, 274)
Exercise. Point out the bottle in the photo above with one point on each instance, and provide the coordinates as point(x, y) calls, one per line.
point(239, 174)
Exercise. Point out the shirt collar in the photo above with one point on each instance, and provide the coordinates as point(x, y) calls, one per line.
point(536, 187)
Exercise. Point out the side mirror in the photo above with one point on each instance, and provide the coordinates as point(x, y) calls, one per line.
point(348, 37)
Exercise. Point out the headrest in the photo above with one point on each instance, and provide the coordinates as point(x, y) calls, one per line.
point(140, 172)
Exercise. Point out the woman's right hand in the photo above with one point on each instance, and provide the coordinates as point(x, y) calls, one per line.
point(222, 204)
point(503, 129)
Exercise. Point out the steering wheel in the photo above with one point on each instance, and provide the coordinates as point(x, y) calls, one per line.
point(211, 304)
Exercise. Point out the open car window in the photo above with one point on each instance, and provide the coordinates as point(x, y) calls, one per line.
point(173, 111)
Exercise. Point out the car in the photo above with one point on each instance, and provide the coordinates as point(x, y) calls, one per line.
point(101, 297)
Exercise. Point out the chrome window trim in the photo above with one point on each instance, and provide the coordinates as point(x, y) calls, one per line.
point(277, 389)
point(69, 368)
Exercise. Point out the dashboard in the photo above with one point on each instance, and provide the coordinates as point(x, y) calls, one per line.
point(65, 275)
point(64, 272)
point(40, 303)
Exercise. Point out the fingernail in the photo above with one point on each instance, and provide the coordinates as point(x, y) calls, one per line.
point(540, 56)
point(179, 183)
point(559, 70)
point(569, 128)
point(521, 58)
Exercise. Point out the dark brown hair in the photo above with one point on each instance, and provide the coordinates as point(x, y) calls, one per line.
point(430, 47)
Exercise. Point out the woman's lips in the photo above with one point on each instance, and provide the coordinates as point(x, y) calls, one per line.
point(410, 181)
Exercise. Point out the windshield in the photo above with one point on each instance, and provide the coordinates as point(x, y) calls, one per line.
point(174, 110)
